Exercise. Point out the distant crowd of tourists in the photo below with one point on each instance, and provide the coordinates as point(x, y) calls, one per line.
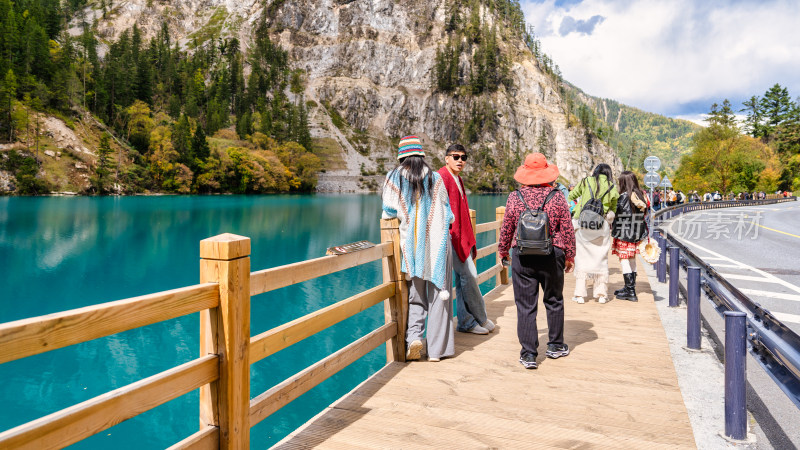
point(665, 199)
point(548, 230)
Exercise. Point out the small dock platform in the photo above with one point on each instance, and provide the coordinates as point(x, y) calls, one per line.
point(617, 389)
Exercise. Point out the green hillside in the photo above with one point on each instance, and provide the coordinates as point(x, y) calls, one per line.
point(634, 133)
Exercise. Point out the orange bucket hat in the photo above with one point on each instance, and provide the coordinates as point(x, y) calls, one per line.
point(536, 170)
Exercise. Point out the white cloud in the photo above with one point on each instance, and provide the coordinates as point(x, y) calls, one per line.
point(674, 56)
point(696, 118)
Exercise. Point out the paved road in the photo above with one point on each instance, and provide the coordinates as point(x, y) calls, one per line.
point(756, 248)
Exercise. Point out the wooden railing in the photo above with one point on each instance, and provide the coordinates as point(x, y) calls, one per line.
point(222, 372)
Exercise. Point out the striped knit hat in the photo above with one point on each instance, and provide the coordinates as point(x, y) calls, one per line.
point(409, 146)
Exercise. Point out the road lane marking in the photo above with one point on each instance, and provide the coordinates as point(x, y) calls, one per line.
point(719, 256)
point(786, 317)
point(778, 295)
point(734, 276)
point(727, 266)
point(778, 231)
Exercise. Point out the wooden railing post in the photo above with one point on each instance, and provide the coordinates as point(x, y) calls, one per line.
point(502, 277)
point(225, 331)
point(396, 307)
point(473, 217)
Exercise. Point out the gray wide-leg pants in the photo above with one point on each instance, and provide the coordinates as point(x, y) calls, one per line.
point(470, 308)
point(425, 300)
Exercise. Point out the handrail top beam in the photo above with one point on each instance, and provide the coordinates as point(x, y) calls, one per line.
point(266, 280)
point(34, 335)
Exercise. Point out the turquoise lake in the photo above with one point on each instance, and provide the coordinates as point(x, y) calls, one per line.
point(59, 253)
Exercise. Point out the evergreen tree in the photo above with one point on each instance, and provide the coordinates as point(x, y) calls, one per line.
point(236, 70)
point(787, 139)
point(446, 67)
point(35, 51)
point(474, 26)
point(8, 92)
point(244, 125)
point(453, 16)
point(543, 142)
point(200, 147)
point(722, 116)
point(103, 169)
point(303, 133)
point(752, 122)
point(776, 106)
point(52, 17)
point(9, 34)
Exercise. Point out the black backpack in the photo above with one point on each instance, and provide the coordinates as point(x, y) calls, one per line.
point(592, 213)
point(533, 229)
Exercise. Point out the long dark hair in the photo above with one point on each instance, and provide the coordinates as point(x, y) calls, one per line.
point(628, 183)
point(421, 180)
point(603, 169)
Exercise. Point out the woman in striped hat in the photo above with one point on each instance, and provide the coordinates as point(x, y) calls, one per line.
point(416, 195)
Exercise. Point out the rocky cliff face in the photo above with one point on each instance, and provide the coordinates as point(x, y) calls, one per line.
point(373, 62)
point(369, 79)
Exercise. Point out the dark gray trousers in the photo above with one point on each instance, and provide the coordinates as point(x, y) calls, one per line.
point(528, 273)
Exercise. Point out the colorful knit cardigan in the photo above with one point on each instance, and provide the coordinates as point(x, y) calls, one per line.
point(424, 226)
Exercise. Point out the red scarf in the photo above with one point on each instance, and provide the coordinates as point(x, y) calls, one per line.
point(461, 232)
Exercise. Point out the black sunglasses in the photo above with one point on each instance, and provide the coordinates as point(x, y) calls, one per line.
point(457, 157)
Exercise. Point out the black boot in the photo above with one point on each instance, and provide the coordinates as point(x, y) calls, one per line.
point(629, 291)
point(621, 290)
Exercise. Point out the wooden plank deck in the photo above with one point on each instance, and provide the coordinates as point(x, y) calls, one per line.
point(617, 389)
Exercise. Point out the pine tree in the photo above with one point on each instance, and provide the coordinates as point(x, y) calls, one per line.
point(446, 67)
point(200, 149)
point(776, 106)
point(236, 77)
point(491, 55)
point(453, 16)
point(474, 26)
point(244, 125)
point(303, 132)
point(9, 35)
point(722, 116)
point(102, 170)
point(8, 93)
point(787, 140)
point(752, 123)
point(543, 142)
point(52, 17)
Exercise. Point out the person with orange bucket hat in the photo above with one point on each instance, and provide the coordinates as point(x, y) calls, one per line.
point(531, 270)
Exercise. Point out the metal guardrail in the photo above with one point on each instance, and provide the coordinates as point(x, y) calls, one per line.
point(775, 347)
point(667, 213)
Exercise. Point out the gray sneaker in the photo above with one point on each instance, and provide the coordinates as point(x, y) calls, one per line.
point(489, 325)
point(557, 350)
point(477, 329)
point(528, 361)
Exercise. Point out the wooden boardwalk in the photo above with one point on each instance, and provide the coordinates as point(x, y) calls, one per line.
point(617, 389)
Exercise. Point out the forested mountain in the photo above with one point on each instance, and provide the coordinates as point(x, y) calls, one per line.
point(634, 133)
point(127, 96)
point(159, 101)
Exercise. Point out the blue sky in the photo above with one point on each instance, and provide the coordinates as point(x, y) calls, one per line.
point(673, 57)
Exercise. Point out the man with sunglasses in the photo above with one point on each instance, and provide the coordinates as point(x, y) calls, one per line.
point(471, 310)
